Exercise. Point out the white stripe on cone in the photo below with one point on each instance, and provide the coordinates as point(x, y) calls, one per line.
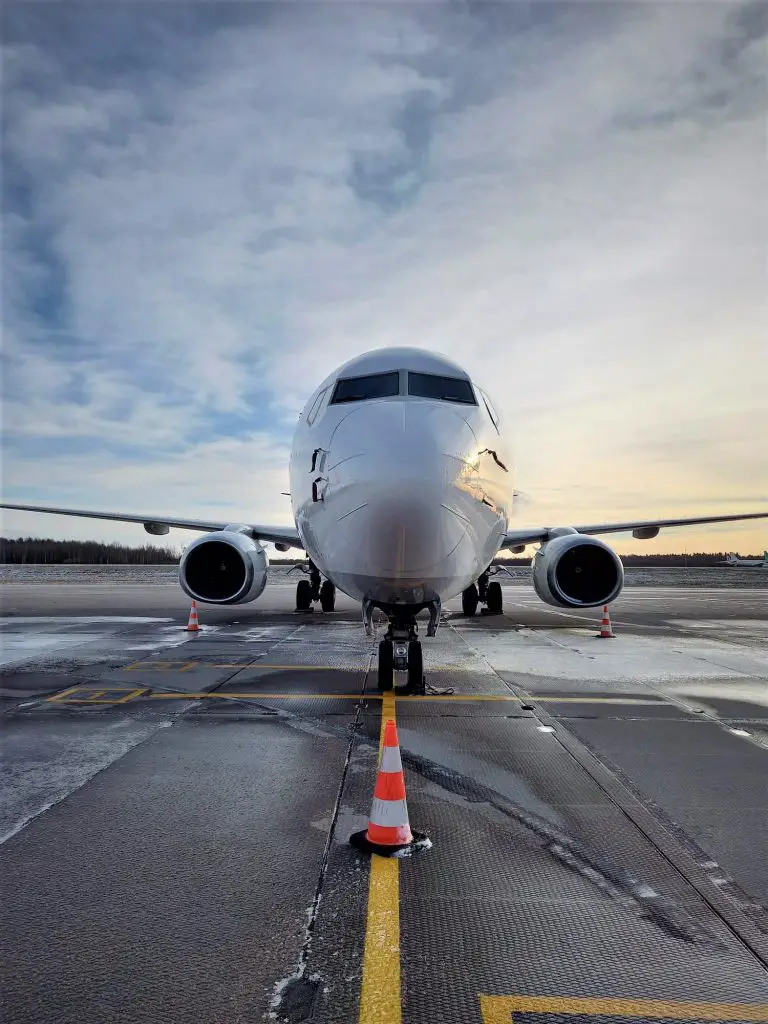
point(389, 813)
point(390, 760)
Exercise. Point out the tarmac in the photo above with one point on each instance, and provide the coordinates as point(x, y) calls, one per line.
point(177, 809)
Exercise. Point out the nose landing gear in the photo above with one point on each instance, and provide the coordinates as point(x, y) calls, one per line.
point(486, 592)
point(400, 651)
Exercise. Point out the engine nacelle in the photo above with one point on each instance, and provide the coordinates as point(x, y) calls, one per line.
point(225, 567)
point(574, 571)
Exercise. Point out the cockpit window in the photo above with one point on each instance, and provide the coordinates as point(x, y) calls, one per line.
point(358, 389)
point(491, 411)
point(316, 407)
point(447, 389)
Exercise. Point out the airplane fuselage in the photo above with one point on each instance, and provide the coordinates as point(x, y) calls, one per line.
point(401, 482)
point(735, 562)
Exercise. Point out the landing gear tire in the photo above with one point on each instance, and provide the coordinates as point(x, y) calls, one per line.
point(415, 667)
point(469, 600)
point(327, 596)
point(303, 596)
point(494, 601)
point(386, 666)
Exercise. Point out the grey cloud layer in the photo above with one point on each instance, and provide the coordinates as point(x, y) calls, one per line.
point(206, 200)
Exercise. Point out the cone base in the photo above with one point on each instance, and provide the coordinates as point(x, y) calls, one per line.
point(361, 842)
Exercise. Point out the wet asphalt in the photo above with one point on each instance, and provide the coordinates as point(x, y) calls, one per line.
point(176, 810)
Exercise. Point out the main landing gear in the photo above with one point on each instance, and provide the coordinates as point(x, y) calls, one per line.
point(486, 592)
point(313, 589)
point(400, 650)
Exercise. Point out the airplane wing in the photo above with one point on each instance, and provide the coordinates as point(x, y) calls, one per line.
point(158, 525)
point(641, 529)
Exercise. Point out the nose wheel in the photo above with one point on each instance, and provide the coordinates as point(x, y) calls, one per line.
point(400, 651)
point(386, 666)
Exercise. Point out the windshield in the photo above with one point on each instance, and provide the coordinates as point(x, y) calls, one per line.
point(376, 385)
point(446, 389)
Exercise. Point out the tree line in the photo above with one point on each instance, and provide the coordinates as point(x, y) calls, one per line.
point(33, 551)
point(696, 558)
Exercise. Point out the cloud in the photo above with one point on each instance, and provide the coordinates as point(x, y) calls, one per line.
point(208, 207)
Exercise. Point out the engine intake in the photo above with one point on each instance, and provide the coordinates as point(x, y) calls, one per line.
point(225, 567)
point(575, 571)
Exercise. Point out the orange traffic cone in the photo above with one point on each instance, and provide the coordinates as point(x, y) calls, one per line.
point(388, 829)
point(193, 626)
point(606, 633)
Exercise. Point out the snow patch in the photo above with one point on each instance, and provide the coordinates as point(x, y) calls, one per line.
point(415, 847)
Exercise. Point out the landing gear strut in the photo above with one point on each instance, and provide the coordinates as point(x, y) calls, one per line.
point(400, 650)
point(487, 592)
point(315, 589)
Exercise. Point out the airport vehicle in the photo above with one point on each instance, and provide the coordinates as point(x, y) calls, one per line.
point(401, 487)
point(746, 563)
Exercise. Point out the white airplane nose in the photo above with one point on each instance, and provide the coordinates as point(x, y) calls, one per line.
point(411, 435)
point(398, 475)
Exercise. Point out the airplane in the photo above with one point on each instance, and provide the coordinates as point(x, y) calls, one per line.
point(746, 563)
point(401, 491)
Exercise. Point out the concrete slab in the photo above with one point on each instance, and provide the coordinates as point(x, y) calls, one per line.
point(712, 783)
point(188, 879)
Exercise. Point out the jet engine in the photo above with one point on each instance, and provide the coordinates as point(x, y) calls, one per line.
point(225, 567)
point(574, 571)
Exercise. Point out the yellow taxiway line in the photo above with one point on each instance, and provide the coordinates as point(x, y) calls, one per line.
point(298, 695)
point(501, 1009)
point(380, 1001)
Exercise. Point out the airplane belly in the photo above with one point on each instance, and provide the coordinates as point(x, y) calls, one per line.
point(393, 551)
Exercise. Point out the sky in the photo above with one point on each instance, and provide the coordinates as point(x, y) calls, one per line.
point(209, 206)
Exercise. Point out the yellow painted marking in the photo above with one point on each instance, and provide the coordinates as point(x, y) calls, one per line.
point(529, 699)
point(261, 696)
point(188, 666)
point(259, 663)
point(194, 696)
point(96, 695)
point(380, 993)
point(131, 695)
point(160, 666)
point(466, 698)
point(302, 668)
point(64, 693)
point(218, 664)
point(500, 1009)
point(597, 700)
